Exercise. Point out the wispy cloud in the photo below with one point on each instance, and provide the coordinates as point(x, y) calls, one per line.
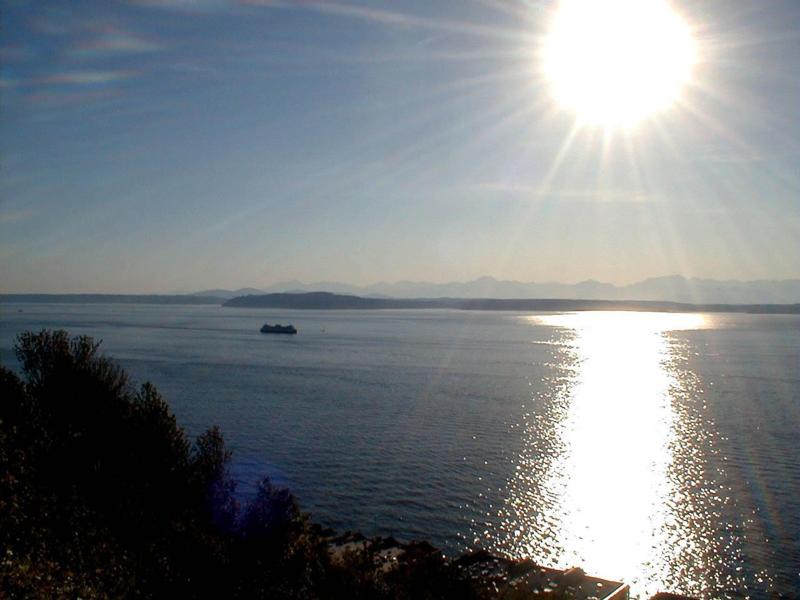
point(70, 78)
point(80, 78)
point(103, 39)
point(86, 37)
point(85, 77)
point(65, 50)
point(380, 16)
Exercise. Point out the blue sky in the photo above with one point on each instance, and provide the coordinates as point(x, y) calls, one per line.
point(156, 146)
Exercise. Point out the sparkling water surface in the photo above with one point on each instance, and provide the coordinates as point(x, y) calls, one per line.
point(661, 449)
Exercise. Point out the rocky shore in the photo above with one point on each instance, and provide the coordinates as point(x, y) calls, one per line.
point(500, 576)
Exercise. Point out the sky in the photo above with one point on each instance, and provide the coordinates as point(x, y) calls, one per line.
point(176, 145)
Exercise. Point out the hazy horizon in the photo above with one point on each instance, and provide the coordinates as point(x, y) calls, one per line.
point(165, 145)
point(673, 288)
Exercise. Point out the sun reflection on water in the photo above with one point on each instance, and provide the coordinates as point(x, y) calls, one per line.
point(607, 491)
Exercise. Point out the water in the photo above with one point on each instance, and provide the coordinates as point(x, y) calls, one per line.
point(659, 449)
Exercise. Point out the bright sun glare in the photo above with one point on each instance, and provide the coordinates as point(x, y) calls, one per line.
point(616, 62)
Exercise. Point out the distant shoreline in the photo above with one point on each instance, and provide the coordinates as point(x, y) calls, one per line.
point(329, 301)
point(109, 299)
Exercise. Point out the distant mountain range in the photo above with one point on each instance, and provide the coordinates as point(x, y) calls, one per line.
point(661, 289)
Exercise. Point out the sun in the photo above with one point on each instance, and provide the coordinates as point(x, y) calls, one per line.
point(616, 62)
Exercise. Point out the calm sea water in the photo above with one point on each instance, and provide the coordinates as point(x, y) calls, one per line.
point(656, 448)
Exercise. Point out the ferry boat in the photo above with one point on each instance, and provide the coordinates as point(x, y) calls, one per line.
point(267, 328)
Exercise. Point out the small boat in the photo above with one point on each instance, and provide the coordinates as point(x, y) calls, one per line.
point(267, 328)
